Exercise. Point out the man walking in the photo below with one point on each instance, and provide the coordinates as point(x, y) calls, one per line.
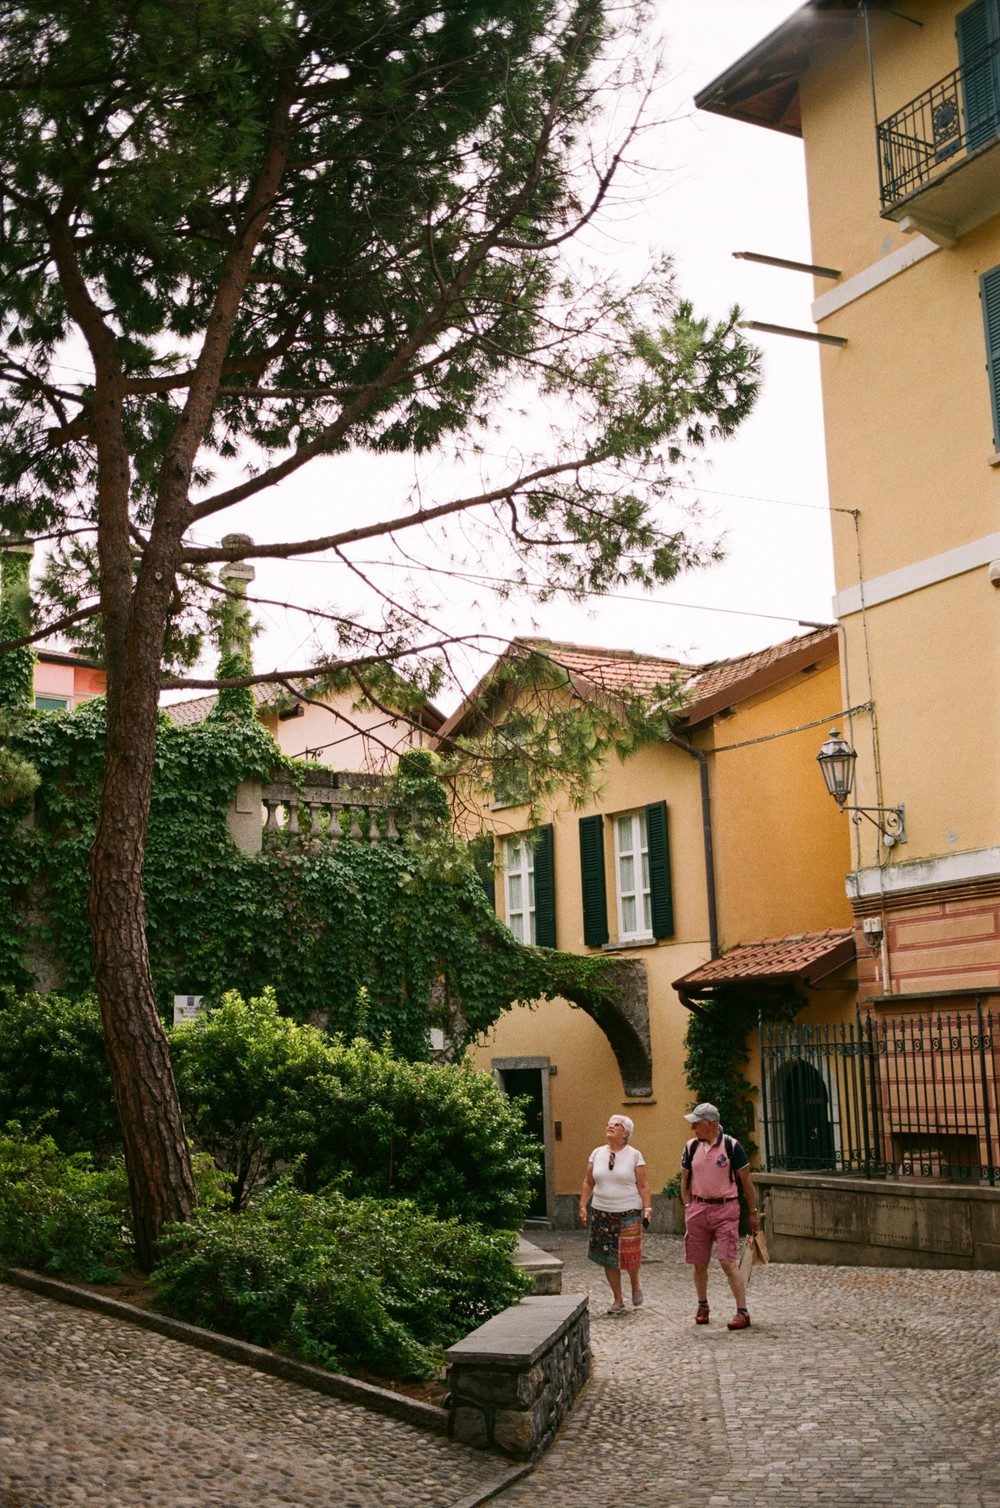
point(710, 1165)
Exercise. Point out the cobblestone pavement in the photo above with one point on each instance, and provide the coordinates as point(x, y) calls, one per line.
point(855, 1386)
point(95, 1411)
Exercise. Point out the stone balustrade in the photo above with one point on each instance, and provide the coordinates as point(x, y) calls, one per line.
point(342, 807)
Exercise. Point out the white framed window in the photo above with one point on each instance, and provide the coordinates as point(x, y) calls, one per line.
point(519, 887)
point(635, 912)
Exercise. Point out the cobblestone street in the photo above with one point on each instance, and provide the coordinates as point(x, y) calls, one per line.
point(855, 1386)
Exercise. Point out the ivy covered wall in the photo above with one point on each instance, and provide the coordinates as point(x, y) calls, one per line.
point(378, 939)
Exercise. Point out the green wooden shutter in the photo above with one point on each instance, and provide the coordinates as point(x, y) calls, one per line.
point(545, 887)
point(595, 895)
point(661, 900)
point(989, 292)
point(976, 28)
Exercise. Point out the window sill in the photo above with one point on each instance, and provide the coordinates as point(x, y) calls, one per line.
point(625, 944)
point(994, 459)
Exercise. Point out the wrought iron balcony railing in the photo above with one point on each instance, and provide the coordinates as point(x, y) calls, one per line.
point(951, 119)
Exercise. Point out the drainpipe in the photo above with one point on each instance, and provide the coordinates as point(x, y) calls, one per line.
point(706, 832)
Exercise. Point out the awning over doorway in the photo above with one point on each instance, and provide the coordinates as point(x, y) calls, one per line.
point(803, 958)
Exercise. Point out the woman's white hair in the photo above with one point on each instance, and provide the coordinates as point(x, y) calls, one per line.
point(628, 1126)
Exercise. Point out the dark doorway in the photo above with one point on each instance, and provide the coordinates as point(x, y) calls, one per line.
point(808, 1128)
point(526, 1084)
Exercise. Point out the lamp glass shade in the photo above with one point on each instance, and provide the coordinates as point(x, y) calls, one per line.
point(836, 760)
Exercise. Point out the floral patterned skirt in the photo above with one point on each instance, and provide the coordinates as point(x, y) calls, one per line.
point(616, 1239)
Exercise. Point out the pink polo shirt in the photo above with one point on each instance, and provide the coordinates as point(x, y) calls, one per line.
point(710, 1170)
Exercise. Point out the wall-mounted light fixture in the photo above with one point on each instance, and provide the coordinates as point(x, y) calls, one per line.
point(836, 760)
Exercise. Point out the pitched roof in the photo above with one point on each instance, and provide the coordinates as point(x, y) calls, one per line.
point(267, 698)
point(711, 687)
point(188, 713)
point(722, 682)
point(609, 669)
point(806, 957)
point(762, 87)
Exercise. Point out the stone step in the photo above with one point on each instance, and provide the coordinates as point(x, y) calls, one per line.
point(544, 1268)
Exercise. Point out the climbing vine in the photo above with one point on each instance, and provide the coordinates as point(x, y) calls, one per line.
point(377, 939)
point(17, 666)
point(718, 1053)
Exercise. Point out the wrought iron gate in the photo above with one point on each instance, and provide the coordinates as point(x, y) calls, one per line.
point(899, 1097)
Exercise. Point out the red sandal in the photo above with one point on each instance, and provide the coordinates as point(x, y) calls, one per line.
point(701, 1315)
point(739, 1321)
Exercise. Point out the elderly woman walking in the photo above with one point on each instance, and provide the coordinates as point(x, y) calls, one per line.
point(617, 1180)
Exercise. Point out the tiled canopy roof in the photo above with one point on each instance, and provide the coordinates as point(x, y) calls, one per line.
point(806, 957)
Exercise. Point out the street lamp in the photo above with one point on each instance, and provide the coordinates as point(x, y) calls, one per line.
point(836, 760)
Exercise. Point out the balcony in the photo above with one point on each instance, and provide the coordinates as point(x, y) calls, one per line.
point(939, 156)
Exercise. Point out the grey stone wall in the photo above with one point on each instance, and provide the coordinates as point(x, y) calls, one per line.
point(883, 1223)
point(514, 1380)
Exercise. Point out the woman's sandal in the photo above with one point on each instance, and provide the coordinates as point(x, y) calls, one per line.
point(617, 1309)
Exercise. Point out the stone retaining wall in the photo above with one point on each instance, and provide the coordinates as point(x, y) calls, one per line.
point(854, 1222)
point(514, 1380)
point(668, 1214)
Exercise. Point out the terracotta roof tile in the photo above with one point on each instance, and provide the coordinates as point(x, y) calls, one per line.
point(616, 670)
point(187, 713)
point(267, 697)
point(609, 669)
point(707, 680)
point(806, 956)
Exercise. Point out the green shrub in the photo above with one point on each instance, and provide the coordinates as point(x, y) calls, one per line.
point(54, 1073)
point(59, 1214)
point(260, 1092)
point(443, 1135)
point(245, 1075)
point(336, 1281)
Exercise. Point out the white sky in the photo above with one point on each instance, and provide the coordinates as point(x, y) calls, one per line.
point(718, 187)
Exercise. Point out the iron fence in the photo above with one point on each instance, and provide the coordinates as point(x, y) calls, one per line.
point(909, 1097)
point(956, 115)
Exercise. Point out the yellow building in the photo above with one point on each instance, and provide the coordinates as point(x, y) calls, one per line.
point(900, 119)
point(720, 835)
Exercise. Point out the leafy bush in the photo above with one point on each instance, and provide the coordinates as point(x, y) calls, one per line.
point(245, 1076)
point(53, 1071)
point(338, 1281)
point(260, 1092)
point(59, 1214)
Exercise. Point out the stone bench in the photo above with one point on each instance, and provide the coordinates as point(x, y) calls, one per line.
point(513, 1380)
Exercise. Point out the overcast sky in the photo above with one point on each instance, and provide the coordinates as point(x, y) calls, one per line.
point(718, 187)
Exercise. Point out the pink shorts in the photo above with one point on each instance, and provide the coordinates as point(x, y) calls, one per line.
point(705, 1223)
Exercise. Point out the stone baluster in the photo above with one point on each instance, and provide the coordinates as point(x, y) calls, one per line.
point(273, 806)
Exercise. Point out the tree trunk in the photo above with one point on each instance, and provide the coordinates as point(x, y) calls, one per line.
point(156, 1151)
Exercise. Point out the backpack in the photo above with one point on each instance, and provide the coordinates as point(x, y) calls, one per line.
point(729, 1143)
